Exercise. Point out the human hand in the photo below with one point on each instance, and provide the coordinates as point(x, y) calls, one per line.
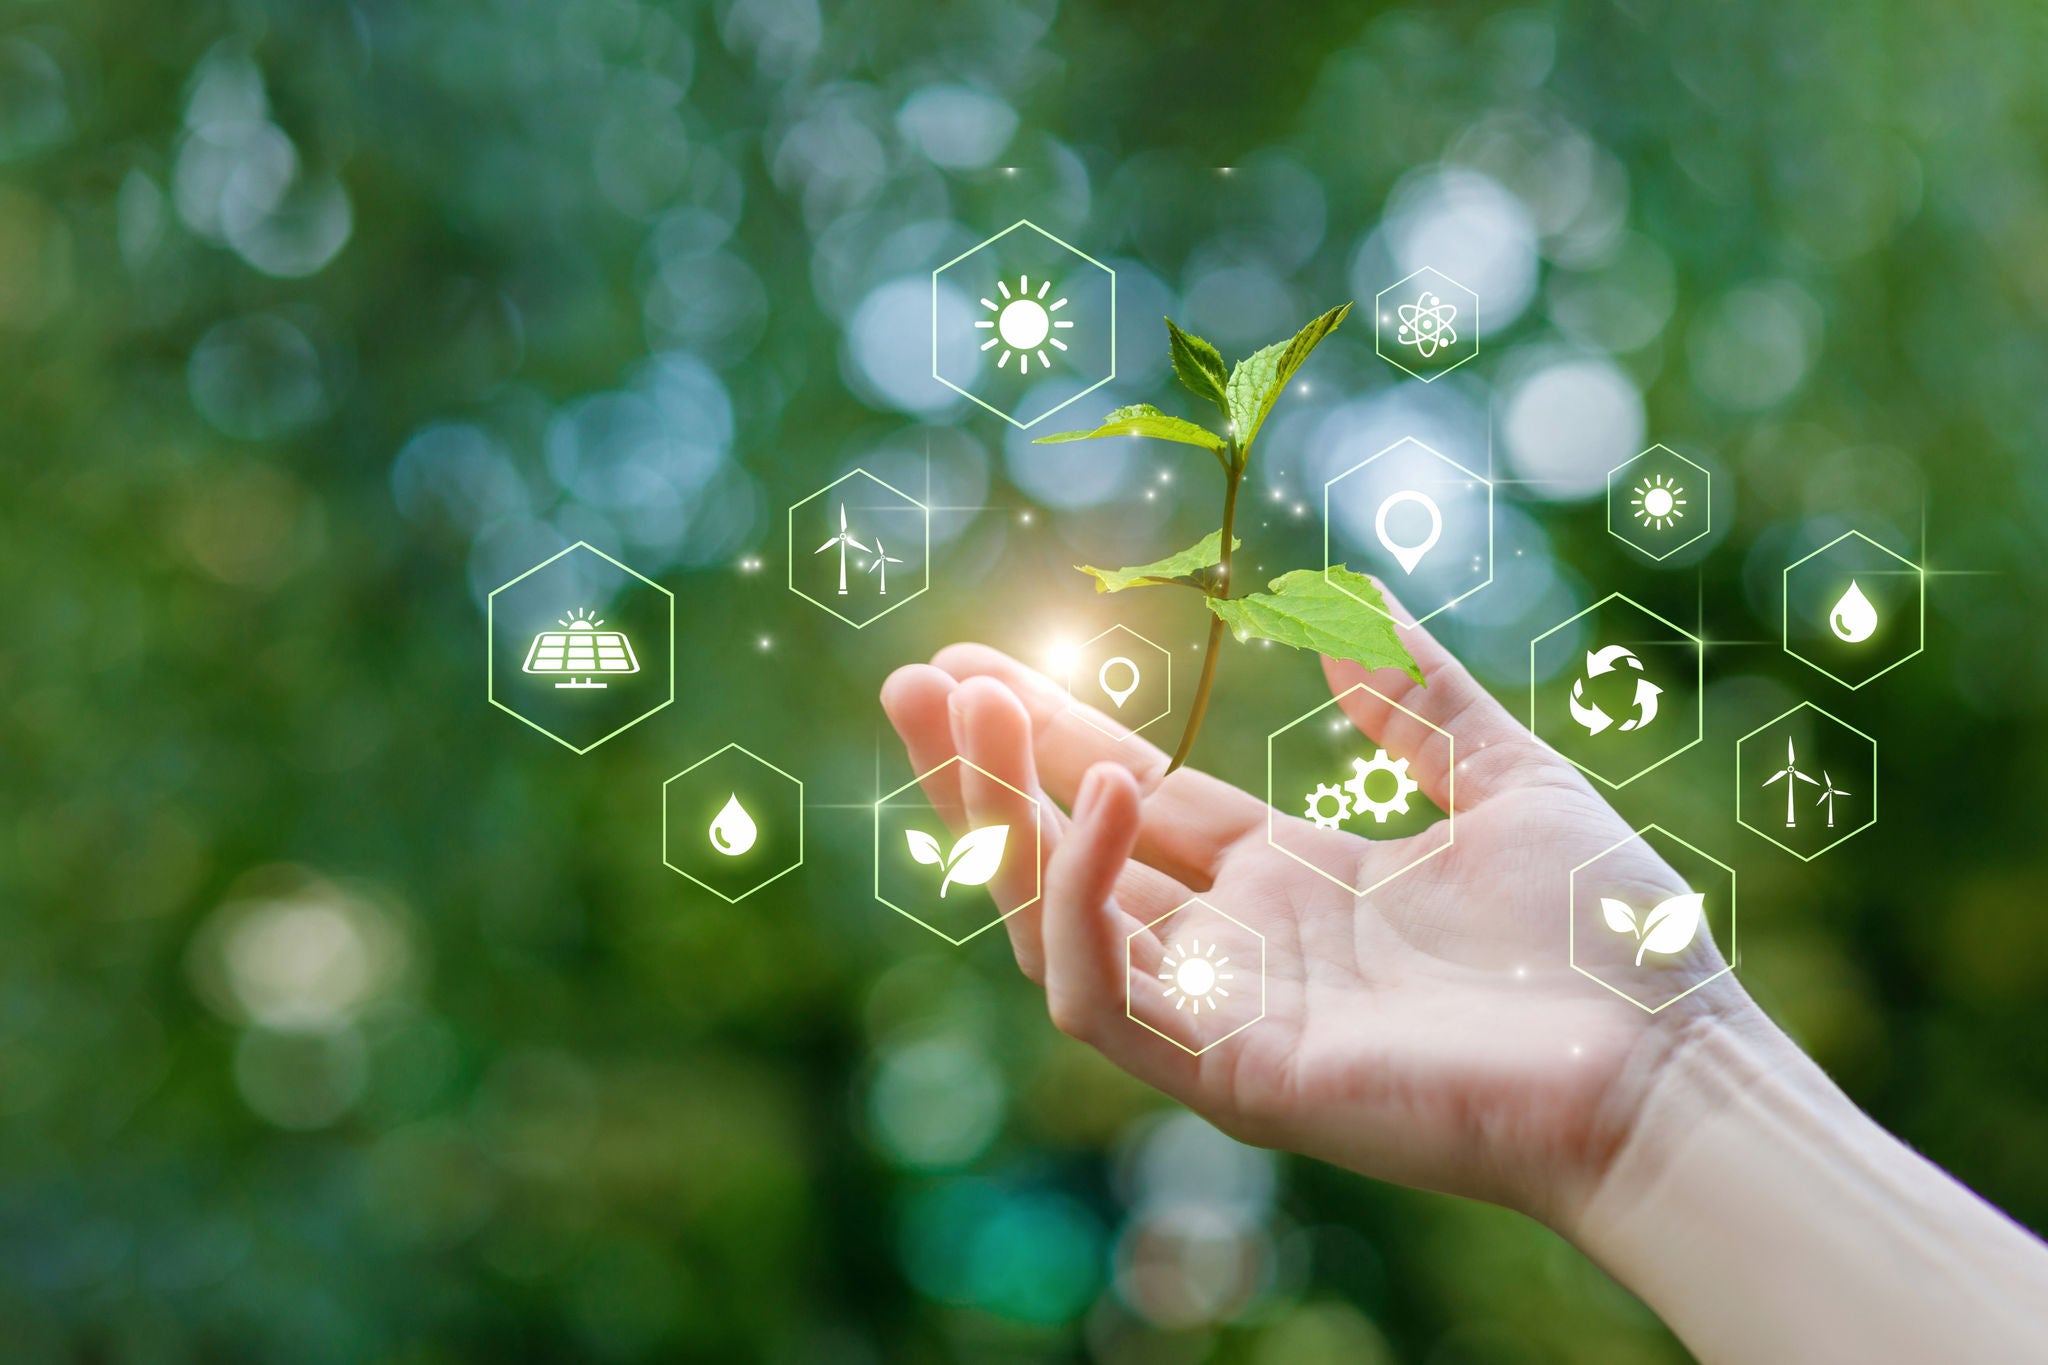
point(1431, 1032)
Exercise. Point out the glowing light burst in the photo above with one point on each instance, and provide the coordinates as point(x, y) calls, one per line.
point(1659, 502)
point(1194, 976)
point(1024, 324)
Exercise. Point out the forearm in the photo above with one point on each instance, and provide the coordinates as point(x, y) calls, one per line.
point(1765, 1218)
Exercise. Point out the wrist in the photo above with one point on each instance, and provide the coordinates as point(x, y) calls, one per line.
point(1685, 1073)
point(1762, 1215)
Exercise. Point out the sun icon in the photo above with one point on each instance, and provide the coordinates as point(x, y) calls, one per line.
point(1658, 502)
point(1024, 324)
point(1194, 976)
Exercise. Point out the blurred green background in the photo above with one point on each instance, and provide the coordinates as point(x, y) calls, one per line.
point(343, 1018)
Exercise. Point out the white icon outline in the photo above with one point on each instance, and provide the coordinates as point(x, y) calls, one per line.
point(978, 292)
point(1131, 973)
point(668, 861)
point(1449, 825)
point(1572, 917)
point(1445, 285)
point(1538, 716)
point(557, 653)
point(1599, 662)
point(732, 831)
point(1920, 612)
point(1704, 500)
point(1092, 716)
point(1329, 564)
point(491, 645)
point(1853, 618)
point(1037, 851)
point(1408, 556)
point(1748, 794)
point(924, 569)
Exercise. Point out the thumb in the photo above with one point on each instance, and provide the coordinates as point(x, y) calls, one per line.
point(1443, 720)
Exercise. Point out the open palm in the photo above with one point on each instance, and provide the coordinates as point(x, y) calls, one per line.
point(1431, 1032)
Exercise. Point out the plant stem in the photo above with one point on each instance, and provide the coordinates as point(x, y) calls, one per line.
point(1219, 586)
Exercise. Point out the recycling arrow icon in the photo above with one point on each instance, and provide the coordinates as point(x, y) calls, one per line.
point(1607, 660)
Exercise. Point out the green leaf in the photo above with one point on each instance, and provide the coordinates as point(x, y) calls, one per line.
point(1203, 554)
point(1259, 379)
point(1199, 365)
point(1304, 611)
point(1142, 419)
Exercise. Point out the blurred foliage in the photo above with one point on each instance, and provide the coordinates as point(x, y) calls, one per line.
point(344, 1019)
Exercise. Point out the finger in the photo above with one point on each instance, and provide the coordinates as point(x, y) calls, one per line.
point(1087, 935)
point(1105, 967)
point(993, 734)
point(1189, 820)
point(1082, 931)
point(917, 700)
point(1493, 751)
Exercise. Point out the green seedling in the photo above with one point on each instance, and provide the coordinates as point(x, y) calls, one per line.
point(1305, 609)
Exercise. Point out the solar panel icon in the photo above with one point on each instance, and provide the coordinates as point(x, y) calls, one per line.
point(580, 653)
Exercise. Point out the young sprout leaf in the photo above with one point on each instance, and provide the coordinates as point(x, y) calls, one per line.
point(1199, 366)
point(1259, 379)
point(1142, 419)
point(1205, 553)
point(1304, 611)
point(923, 847)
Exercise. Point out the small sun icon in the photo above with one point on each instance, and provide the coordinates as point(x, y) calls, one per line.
point(1194, 976)
point(1659, 502)
point(1024, 324)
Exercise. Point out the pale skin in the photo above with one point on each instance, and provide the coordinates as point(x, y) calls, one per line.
point(1433, 1032)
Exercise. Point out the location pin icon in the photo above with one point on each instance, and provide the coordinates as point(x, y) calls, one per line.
point(1408, 556)
point(1119, 695)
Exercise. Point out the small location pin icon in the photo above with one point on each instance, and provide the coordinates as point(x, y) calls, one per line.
point(1119, 695)
point(1408, 556)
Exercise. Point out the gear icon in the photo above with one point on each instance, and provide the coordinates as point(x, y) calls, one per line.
point(1404, 786)
point(1325, 792)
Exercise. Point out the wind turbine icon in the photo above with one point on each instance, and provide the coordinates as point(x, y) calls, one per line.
point(843, 540)
point(1792, 777)
point(881, 565)
point(1829, 795)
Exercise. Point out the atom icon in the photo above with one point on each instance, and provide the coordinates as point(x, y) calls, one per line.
point(1426, 324)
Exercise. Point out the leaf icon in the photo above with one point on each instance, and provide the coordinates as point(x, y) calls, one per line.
point(976, 857)
point(1620, 918)
point(1669, 925)
point(923, 847)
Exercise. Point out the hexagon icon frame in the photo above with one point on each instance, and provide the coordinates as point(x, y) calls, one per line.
point(1088, 713)
point(1450, 807)
point(1378, 315)
point(1427, 449)
point(924, 567)
point(790, 777)
point(983, 246)
point(1037, 851)
point(491, 638)
point(1728, 960)
point(1130, 970)
point(1706, 499)
point(1699, 727)
point(1838, 839)
point(1920, 617)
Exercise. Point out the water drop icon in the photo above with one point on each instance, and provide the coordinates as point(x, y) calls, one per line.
point(1853, 619)
point(734, 831)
